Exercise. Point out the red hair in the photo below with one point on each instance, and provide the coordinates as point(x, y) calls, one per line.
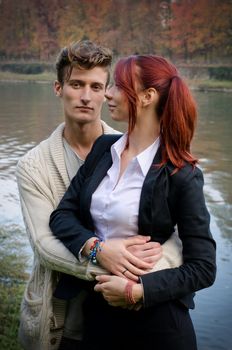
point(176, 109)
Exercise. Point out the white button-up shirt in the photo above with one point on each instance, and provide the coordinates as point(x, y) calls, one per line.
point(115, 203)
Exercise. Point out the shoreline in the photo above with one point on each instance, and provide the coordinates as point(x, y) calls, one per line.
point(210, 89)
point(204, 85)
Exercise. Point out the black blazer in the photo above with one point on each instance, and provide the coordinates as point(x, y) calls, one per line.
point(166, 200)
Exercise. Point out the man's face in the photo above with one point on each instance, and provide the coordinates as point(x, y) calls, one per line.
point(83, 94)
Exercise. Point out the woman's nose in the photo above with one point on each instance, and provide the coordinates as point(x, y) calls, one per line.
point(108, 93)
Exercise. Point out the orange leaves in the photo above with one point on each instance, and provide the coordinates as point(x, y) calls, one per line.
point(188, 30)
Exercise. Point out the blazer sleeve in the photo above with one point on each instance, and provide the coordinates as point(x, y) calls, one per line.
point(199, 268)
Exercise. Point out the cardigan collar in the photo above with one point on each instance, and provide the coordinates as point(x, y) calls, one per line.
point(56, 150)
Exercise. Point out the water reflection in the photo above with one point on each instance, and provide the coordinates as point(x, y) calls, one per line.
point(213, 146)
point(29, 113)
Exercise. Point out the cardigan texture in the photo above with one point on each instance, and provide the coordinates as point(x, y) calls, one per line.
point(42, 181)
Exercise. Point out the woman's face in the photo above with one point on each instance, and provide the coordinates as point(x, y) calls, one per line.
point(117, 103)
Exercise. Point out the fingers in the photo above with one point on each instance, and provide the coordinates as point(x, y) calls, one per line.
point(148, 246)
point(117, 256)
point(113, 290)
point(137, 264)
point(153, 259)
point(99, 287)
point(151, 245)
point(132, 272)
point(144, 253)
point(131, 276)
point(103, 278)
point(148, 253)
point(136, 240)
point(132, 267)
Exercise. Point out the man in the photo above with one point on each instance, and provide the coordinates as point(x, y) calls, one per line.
point(44, 174)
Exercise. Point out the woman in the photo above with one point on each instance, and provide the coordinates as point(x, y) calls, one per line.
point(146, 182)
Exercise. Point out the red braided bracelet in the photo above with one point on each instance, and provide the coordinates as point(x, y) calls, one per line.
point(128, 293)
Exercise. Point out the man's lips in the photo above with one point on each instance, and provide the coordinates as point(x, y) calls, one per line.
point(85, 108)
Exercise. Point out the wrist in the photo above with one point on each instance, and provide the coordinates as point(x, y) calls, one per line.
point(137, 292)
point(88, 245)
point(93, 246)
point(133, 293)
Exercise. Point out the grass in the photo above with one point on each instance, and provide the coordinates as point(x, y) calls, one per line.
point(10, 296)
point(13, 276)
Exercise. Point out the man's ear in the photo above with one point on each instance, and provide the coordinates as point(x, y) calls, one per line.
point(57, 88)
point(150, 96)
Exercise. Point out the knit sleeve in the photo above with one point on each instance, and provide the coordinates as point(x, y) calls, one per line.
point(37, 203)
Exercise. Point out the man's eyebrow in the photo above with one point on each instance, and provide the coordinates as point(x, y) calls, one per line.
point(97, 82)
point(84, 82)
point(76, 81)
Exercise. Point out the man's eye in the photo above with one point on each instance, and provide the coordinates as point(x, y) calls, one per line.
point(75, 85)
point(97, 87)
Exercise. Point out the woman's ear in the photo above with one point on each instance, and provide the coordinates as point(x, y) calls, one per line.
point(150, 96)
point(57, 88)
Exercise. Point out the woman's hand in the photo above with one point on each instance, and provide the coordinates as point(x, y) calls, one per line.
point(113, 291)
point(150, 252)
point(130, 257)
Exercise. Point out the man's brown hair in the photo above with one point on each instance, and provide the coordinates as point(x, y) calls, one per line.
point(83, 54)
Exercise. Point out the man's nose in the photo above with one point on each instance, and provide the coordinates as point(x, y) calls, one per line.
point(86, 96)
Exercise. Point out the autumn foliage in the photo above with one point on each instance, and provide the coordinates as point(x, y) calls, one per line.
point(184, 30)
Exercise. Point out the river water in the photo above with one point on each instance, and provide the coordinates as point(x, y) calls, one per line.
point(28, 114)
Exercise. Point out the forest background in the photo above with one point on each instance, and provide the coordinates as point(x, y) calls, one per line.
point(192, 33)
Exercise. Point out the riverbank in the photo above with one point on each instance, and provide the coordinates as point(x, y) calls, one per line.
point(45, 77)
point(13, 277)
point(210, 85)
point(48, 77)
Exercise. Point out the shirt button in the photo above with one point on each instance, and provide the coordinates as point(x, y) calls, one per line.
point(53, 341)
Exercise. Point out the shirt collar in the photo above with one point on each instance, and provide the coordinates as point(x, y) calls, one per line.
point(144, 158)
point(118, 147)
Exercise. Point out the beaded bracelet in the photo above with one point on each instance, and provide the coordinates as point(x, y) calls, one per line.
point(94, 249)
point(128, 293)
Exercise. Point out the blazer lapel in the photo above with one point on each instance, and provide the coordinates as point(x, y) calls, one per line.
point(154, 214)
point(98, 174)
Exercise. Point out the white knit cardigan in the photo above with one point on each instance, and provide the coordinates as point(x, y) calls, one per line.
point(42, 180)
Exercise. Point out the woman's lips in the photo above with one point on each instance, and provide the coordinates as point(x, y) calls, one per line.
point(111, 107)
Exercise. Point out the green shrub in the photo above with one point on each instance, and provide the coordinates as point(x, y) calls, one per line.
point(10, 296)
point(13, 276)
point(220, 73)
point(26, 68)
